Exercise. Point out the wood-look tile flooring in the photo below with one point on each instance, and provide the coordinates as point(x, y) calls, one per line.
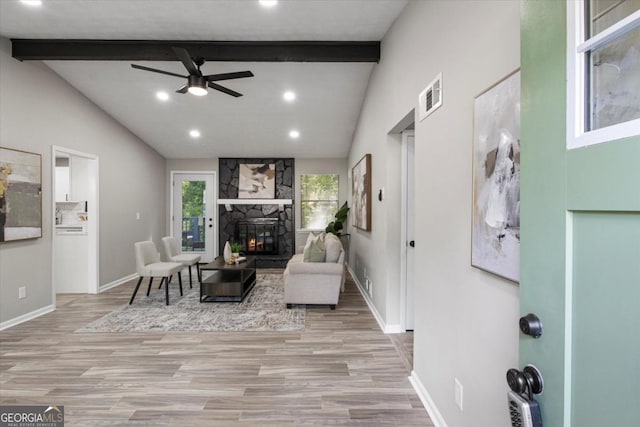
point(341, 370)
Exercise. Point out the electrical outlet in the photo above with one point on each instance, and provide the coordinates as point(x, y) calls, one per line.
point(137, 215)
point(457, 392)
point(22, 292)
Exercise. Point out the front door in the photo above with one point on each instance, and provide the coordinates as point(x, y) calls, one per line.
point(580, 250)
point(193, 219)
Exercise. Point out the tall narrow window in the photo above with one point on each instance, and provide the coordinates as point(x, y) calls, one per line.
point(605, 45)
point(318, 200)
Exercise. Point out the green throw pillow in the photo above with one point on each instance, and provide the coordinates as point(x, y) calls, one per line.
point(315, 252)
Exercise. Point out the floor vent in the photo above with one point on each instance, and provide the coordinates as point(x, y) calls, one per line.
point(430, 98)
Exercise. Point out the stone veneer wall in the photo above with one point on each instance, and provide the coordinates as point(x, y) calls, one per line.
point(229, 172)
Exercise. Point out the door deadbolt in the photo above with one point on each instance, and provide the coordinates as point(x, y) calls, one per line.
point(531, 325)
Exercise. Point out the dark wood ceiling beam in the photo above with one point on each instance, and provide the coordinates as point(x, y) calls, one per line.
point(243, 51)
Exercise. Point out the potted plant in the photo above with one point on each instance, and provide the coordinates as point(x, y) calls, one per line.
point(336, 226)
point(235, 249)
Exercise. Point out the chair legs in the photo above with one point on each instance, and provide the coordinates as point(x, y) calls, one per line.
point(166, 286)
point(135, 291)
point(165, 280)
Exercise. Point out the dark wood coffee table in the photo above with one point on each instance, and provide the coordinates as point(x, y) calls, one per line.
point(228, 283)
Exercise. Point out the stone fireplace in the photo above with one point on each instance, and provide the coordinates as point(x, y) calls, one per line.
point(266, 228)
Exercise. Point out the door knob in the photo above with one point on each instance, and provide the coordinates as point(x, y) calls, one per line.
point(526, 382)
point(412, 243)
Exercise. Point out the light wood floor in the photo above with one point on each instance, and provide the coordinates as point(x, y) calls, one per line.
point(342, 370)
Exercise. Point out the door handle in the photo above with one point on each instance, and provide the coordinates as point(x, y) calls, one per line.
point(412, 243)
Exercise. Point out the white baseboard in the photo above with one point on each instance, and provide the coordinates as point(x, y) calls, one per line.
point(26, 317)
point(387, 329)
point(117, 282)
point(427, 401)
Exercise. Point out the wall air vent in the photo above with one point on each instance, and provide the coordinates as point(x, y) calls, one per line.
point(430, 98)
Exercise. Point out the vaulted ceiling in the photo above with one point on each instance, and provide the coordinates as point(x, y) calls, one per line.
point(328, 74)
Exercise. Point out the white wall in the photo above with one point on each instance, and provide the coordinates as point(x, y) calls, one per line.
point(466, 319)
point(37, 110)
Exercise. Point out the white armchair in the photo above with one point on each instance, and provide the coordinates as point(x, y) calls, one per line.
point(172, 253)
point(148, 264)
point(316, 282)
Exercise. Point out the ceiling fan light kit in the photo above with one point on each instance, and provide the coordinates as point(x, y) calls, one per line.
point(197, 85)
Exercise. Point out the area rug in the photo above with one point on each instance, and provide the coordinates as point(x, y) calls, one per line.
point(262, 310)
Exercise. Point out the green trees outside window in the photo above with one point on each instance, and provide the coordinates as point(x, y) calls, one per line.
point(193, 210)
point(318, 200)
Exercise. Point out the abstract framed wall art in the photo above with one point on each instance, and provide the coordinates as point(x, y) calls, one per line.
point(20, 195)
point(257, 181)
point(361, 193)
point(495, 236)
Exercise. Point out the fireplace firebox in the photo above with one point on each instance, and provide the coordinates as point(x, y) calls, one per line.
point(258, 235)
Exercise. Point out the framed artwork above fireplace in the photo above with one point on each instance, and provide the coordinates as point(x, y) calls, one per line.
point(257, 181)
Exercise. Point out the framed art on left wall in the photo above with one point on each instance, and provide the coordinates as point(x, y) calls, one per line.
point(20, 195)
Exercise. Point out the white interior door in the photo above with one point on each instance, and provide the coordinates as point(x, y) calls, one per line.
point(193, 213)
point(409, 198)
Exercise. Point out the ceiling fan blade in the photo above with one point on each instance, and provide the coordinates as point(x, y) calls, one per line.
point(224, 89)
point(186, 60)
point(140, 67)
point(183, 89)
point(228, 76)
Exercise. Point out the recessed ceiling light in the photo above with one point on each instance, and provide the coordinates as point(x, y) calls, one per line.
point(289, 96)
point(294, 134)
point(162, 96)
point(268, 3)
point(32, 2)
point(194, 133)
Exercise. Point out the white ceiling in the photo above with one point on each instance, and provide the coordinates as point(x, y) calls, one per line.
point(329, 95)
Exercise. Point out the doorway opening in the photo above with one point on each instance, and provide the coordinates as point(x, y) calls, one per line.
point(75, 222)
point(400, 230)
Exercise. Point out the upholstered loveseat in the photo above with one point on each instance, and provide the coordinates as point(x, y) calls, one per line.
point(318, 281)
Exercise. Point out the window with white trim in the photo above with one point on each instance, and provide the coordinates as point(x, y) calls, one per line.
point(603, 71)
point(318, 200)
